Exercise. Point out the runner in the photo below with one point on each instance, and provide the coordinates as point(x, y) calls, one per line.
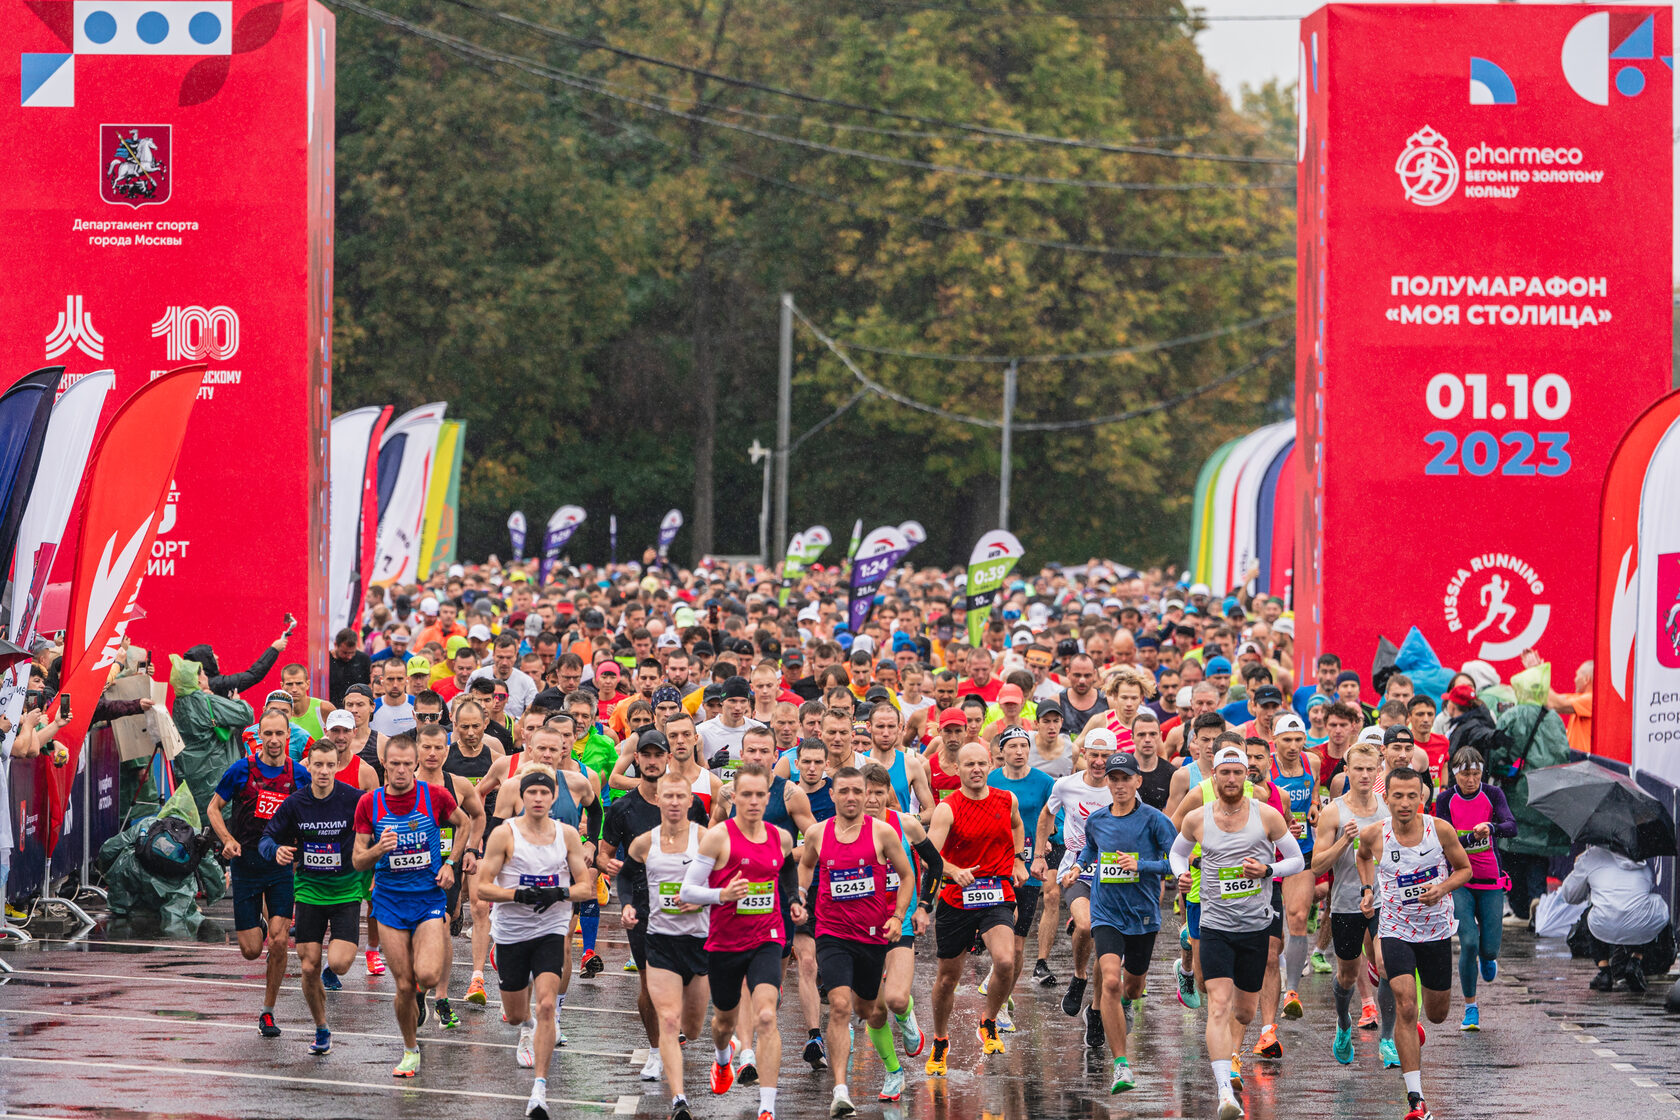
point(1156, 772)
point(255, 786)
point(1126, 847)
point(677, 963)
point(311, 831)
point(410, 878)
point(909, 771)
point(1412, 889)
point(901, 956)
point(1478, 812)
point(1238, 837)
point(979, 834)
point(847, 860)
point(1296, 775)
point(433, 746)
point(685, 743)
point(740, 869)
point(1032, 792)
point(941, 753)
point(534, 869)
point(1337, 851)
point(350, 768)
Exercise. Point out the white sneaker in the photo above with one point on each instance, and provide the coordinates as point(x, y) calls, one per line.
point(1229, 1109)
point(536, 1108)
point(986, 984)
point(842, 1104)
point(655, 1068)
point(525, 1053)
point(1004, 1021)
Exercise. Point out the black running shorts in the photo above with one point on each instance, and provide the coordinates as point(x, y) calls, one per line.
point(1431, 960)
point(1237, 957)
point(757, 966)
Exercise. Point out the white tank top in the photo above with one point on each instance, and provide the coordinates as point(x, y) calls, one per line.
point(1402, 875)
point(532, 865)
point(665, 872)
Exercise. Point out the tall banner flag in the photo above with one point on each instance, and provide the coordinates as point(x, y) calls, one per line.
point(406, 457)
point(123, 503)
point(857, 538)
point(612, 537)
point(989, 565)
point(813, 542)
point(668, 526)
point(354, 458)
point(792, 565)
point(437, 533)
point(1636, 654)
point(1469, 337)
point(516, 532)
point(913, 532)
point(561, 525)
point(25, 410)
point(878, 554)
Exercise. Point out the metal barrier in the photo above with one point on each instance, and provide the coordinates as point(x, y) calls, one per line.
point(90, 820)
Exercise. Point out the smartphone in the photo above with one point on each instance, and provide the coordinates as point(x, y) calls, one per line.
point(32, 698)
point(291, 624)
point(64, 704)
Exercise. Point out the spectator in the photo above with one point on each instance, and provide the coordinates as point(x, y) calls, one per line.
point(1528, 738)
point(348, 664)
point(1627, 914)
point(226, 684)
point(209, 724)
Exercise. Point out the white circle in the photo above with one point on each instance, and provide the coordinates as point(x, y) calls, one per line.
point(1498, 411)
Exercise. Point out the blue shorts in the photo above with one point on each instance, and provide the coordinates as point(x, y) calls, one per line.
point(268, 886)
point(1193, 918)
point(403, 911)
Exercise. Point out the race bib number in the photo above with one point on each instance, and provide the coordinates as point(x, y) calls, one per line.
point(1110, 871)
point(852, 882)
point(1473, 843)
point(983, 893)
point(1235, 883)
point(411, 860)
point(670, 900)
point(267, 801)
point(539, 880)
point(1411, 885)
point(321, 857)
point(892, 880)
point(446, 843)
point(729, 769)
point(759, 899)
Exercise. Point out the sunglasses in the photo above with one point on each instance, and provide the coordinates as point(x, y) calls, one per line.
point(428, 717)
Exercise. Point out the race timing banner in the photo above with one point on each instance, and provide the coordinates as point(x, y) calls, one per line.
point(989, 565)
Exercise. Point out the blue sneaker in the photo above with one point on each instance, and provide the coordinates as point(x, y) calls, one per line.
point(1389, 1055)
point(1342, 1048)
point(1490, 969)
point(330, 980)
point(1472, 1019)
point(323, 1041)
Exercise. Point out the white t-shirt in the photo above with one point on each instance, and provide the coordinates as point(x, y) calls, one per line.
point(393, 719)
point(1077, 801)
point(911, 707)
point(715, 737)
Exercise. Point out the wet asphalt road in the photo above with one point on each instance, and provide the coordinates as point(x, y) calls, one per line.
point(121, 1029)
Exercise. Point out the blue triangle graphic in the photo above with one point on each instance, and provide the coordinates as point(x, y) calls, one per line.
point(1637, 45)
point(37, 69)
point(1668, 61)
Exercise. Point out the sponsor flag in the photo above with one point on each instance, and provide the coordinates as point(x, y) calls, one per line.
point(25, 410)
point(406, 456)
point(516, 532)
point(437, 534)
point(878, 554)
point(913, 532)
point(1636, 648)
point(612, 537)
point(561, 525)
point(857, 538)
point(126, 489)
point(802, 552)
point(990, 563)
point(668, 527)
point(355, 436)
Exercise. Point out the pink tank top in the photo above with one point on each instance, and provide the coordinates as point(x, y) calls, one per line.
point(853, 885)
point(1467, 813)
point(756, 917)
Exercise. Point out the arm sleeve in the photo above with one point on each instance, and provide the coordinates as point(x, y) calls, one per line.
point(1504, 824)
point(593, 814)
point(787, 880)
point(1576, 888)
point(933, 866)
point(632, 883)
point(1179, 858)
point(694, 888)
point(1292, 860)
point(229, 682)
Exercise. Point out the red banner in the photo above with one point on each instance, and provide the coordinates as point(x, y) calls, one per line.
point(176, 207)
point(1484, 292)
point(122, 506)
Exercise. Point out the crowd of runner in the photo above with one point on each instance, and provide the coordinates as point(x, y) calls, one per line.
point(771, 801)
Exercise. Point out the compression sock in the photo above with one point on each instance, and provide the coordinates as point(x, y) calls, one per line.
point(1385, 1004)
point(815, 1032)
point(1294, 958)
point(882, 1038)
point(909, 1009)
point(1222, 1077)
point(589, 921)
point(1344, 1006)
point(767, 1098)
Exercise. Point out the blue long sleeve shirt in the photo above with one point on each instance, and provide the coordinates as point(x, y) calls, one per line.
point(1128, 902)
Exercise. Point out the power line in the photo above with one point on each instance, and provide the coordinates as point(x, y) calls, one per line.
point(1085, 356)
point(1095, 17)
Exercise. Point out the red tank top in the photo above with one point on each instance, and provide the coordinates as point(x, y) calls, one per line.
point(981, 837)
point(351, 773)
point(853, 884)
point(944, 784)
point(755, 918)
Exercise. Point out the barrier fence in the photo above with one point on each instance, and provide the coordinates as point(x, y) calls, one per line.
point(91, 818)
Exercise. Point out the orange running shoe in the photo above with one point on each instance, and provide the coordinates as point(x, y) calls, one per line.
point(1268, 1046)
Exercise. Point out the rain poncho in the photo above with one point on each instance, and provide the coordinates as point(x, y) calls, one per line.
point(209, 727)
point(149, 904)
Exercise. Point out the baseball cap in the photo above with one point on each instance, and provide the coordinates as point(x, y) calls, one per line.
point(1170, 604)
point(952, 717)
point(1218, 665)
point(653, 739)
point(1120, 762)
point(1047, 710)
point(428, 605)
point(1021, 638)
point(669, 640)
point(518, 577)
point(1289, 723)
point(593, 618)
point(417, 665)
point(1100, 739)
point(712, 692)
point(281, 696)
point(1399, 733)
point(480, 633)
point(1011, 694)
point(1268, 694)
point(793, 657)
point(1203, 589)
point(875, 694)
point(456, 571)
point(1284, 626)
point(1248, 647)
point(1372, 735)
point(339, 718)
point(1184, 697)
point(454, 645)
point(1230, 754)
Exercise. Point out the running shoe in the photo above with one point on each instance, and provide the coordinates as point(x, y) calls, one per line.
point(536, 1107)
point(475, 992)
point(1633, 973)
point(936, 1061)
point(1187, 994)
point(447, 1019)
point(1369, 1016)
point(591, 964)
point(525, 1051)
point(1388, 1053)
point(816, 1053)
point(892, 1086)
point(654, 1068)
point(1229, 1109)
point(330, 980)
point(1042, 973)
point(419, 1009)
point(723, 1074)
point(1490, 969)
point(1320, 963)
point(1605, 981)
point(1236, 1073)
point(985, 985)
point(1472, 1018)
point(1268, 1046)
point(1422, 1038)
point(1005, 1021)
point(746, 1073)
point(375, 963)
point(323, 1041)
point(1419, 1110)
point(1342, 1047)
point(1095, 1039)
point(910, 1034)
point(1074, 998)
point(266, 1024)
point(987, 1032)
point(630, 966)
point(679, 1109)
point(842, 1104)
point(1122, 1077)
point(1292, 1004)
point(766, 1114)
point(409, 1066)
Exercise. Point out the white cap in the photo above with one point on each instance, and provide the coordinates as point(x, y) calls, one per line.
point(669, 640)
point(1200, 589)
point(863, 642)
point(1021, 638)
point(456, 571)
point(428, 605)
point(1184, 697)
point(1100, 739)
point(479, 633)
point(340, 718)
point(1249, 647)
point(810, 612)
point(1090, 609)
point(1373, 736)
point(1288, 723)
point(1112, 602)
point(1284, 626)
point(1230, 754)
point(1171, 603)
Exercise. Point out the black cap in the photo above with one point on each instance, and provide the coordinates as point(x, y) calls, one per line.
point(1120, 762)
point(875, 694)
point(1268, 694)
point(592, 617)
point(737, 688)
point(1067, 647)
point(712, 692)
point(1399, 733)
point(703, 649)
point(1052, 710)
point(653, 739)
point(793, 657)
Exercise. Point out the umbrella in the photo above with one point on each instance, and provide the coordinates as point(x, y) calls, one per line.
point(1596, 805)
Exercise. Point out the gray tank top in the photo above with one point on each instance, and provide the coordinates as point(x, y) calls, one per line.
point(1344, 883)
point(665, 872)
point(1231, 901)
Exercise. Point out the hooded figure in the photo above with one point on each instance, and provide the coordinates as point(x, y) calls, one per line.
point(222, 684)
point(209, 725)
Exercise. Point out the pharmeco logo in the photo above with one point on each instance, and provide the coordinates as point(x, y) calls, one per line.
point(1427, 168)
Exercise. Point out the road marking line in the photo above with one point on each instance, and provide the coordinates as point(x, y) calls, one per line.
point(1568, 1026)
point(1605, 1053)
point(1644, 1082)
point(628, 1106)
point(1587, 1039)
point(1666, 1098)
point(398, 1085)
point(1622, 1066)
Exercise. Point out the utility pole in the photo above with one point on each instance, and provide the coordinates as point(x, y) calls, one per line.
point(759, 453)
point(784, 420)
point(1009, 375)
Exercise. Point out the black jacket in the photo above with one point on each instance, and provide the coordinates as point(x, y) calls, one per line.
point(342, 674)
point(224, 684)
